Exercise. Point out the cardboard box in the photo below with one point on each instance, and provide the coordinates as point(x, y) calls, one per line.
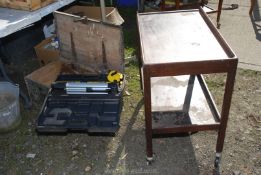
point(44, 53)
point(87, 46)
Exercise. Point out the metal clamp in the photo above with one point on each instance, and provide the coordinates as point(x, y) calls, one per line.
point(82, 19)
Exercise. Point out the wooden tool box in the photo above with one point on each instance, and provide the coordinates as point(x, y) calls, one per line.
point(88, 48)
point(80, 47)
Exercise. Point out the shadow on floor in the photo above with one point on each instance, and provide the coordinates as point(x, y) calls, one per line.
point(78, 153)
point(173, 155)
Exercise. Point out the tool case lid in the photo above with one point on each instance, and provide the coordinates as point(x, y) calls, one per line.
point(93, 46)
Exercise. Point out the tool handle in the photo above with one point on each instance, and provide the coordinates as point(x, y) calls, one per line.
point(58, 85)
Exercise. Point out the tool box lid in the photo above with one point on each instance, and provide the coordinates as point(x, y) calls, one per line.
point(94, 47)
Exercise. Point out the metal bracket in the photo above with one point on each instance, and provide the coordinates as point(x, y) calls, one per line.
point(82, 19)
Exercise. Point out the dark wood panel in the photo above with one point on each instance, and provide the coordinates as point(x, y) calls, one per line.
point(193, 67)
point(90, 44)
point(185, 128)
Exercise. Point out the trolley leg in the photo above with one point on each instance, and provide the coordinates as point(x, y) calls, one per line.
point(148, 117)
point(219, 13)
point(162, 5)
point(225, 109)
point(224, 113)
point(177, 5)
point(140, 6)
point(253, 3)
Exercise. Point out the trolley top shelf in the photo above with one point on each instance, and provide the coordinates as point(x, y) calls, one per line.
point(180, 36)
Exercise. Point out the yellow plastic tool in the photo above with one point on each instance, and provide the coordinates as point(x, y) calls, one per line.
point(115, 76)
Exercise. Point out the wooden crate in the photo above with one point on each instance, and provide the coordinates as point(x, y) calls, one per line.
point(25, 4)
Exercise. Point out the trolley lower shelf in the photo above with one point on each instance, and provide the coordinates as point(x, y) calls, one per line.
point(182, 104)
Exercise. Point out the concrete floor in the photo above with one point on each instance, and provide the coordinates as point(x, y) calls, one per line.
point(242, 32)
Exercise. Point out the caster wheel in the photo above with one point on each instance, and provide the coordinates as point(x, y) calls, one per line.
point(234, 6)
point(205, 2)
point(217, 166)
point(149, 160)
point(218, 25)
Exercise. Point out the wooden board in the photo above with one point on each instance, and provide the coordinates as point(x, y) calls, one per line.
point(39, 81)
point(91, 45)
point(29, 5)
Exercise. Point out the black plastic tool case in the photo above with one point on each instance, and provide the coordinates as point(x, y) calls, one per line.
point(93, 112)
point(94, 48)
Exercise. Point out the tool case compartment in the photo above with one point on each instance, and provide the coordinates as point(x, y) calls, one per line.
point(80, 113)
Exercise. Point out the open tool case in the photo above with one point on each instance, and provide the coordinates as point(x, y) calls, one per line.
point(85, 100)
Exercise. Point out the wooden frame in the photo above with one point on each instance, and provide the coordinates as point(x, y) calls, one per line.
point(156, 67)
point(253, 3)
point(192, 5)
point(179, 5)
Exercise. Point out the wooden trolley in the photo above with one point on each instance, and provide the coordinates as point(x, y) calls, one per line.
point(176, 48)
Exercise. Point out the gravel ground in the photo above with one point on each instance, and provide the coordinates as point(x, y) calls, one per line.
point(24, 152)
